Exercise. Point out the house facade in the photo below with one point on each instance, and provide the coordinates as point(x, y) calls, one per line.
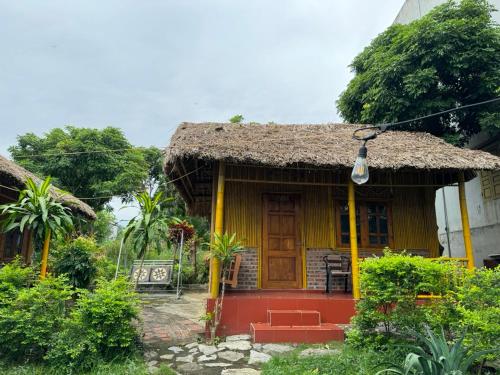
point(286, 191)
point(12, 179)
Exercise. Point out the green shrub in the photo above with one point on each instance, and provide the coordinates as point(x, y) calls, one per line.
point(478, 308)
point(100, 327)
point(29, 321)
point(389, 289)
point(13, 277)
point(76, 260)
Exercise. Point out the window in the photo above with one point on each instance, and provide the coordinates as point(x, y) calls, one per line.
point(373, 224)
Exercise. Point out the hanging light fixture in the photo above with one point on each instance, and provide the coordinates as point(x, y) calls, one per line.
point(360, 171)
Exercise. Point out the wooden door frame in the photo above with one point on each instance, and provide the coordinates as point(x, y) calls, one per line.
point(300, 240)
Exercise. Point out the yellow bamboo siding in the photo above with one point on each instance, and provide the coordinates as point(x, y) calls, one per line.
point(414, 220)
point(243, 212)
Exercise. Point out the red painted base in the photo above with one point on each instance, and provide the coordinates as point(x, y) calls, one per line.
point(265, 333)
point(240, 309)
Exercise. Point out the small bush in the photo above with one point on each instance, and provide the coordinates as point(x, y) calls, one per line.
point(29, 321)
point(76, 260)
point(389, 288)
point(478, 307)
point(13, 277)
point(100, 328)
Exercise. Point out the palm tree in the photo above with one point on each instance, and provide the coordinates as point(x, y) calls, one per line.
point(147, 226)
point(224, 248)
point(38, 211)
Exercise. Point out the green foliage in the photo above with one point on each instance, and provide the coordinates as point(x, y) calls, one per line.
point(236, 119)
point(84, 173)
point(149, 225)
point(103, 226)
point(123, 366)
point(224, 248)
point(478, 307)
point(349, 361)
point(29, 321)
point(437, 357)
point(36, 209)
point(77, 260)
point(99, 328)
point(13, 276)
point(390, 285)
point(449, 57)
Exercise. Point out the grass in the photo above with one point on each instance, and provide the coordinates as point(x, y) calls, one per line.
point(127, 367)
point(349, 361)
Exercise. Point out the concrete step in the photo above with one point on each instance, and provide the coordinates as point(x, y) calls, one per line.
point(325, 332)
point(293, 317)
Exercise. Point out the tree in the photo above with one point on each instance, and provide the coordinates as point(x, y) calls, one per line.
point(236, 119)
point(37, 210)
point(149, 225)
point(69, 156)
point(447, 58)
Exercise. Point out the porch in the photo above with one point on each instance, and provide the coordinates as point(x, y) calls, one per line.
point(286, 315)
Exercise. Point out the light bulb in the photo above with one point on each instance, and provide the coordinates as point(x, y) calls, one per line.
point(360, 171)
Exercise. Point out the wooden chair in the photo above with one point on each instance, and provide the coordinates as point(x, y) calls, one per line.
point(337, 266)
point(234, 269)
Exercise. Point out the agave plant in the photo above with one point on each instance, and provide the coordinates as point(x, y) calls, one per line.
point(38, 211)
point(439, 358)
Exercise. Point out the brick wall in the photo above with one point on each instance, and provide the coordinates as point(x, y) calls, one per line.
point(315, 267)
point(247, 277)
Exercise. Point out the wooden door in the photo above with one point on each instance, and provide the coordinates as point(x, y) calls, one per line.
point(281, 248)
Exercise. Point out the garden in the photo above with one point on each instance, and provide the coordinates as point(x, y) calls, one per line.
point(74, 310)
point(454, 330)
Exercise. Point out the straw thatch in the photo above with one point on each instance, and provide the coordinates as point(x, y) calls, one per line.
point(13, 175)
point(328, 145)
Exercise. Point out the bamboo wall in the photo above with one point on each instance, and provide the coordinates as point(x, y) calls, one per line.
point(414, 221)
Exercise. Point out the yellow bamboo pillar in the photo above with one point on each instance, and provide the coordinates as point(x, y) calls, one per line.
point(219, 228)
point(45, 255)
point(354, 240)
point(465, 221)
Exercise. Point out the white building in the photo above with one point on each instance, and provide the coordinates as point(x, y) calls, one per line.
point(482, 193)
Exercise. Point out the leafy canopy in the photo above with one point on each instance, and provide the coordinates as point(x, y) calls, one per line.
point(85, 173)
point(447, 58)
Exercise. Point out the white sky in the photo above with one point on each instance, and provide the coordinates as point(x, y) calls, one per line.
point(145, 66)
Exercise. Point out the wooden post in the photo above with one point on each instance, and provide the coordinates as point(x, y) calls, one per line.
point(353, 240)
point(465, 221)
point(219, 228)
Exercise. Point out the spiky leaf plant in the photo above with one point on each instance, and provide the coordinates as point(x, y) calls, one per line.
point(37, 210)
point(438, 357)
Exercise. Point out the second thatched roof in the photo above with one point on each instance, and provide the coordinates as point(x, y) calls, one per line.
point(15, 176)
point(327, 145)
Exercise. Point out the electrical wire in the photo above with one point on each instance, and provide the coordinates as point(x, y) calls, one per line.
point(383, 127)
point(110, 196)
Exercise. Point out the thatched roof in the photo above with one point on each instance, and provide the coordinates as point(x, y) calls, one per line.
point(328, 145)
point(13, 175)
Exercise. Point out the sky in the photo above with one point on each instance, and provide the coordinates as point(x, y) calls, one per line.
point(145, 66)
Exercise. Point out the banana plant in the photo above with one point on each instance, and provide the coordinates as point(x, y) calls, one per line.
point(38, 211)
point(438, 357)
point(147, 226)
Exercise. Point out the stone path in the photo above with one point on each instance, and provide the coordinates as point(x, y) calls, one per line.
point(236, 355)
point(173, 336)
point(168, 320)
